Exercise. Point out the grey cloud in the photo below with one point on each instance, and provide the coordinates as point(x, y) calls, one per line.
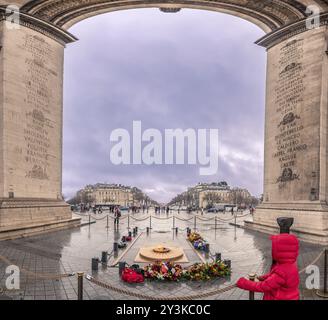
point(193, 69)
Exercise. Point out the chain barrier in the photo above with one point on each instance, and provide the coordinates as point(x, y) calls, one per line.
point(186, 297)
point(98, 219)
point(147, 297)
point(205, 219)
point(181, 219)
point(242, 216)
point(225, 220)
point(43, 276)
point(313, 262)
point(139, 219)
point(158, 218)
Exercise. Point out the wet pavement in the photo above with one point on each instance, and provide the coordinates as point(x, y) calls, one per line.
point(71, 251)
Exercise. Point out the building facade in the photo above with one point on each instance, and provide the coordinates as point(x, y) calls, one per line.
point(206, 194)
point(113, 194)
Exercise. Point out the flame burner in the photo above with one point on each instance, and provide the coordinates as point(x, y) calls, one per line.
point(161, 253)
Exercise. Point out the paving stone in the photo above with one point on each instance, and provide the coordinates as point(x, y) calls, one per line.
point(72, 251)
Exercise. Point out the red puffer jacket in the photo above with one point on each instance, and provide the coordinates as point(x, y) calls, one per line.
point(282, 282)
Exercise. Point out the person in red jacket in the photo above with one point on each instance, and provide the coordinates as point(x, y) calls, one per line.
point(282, 282)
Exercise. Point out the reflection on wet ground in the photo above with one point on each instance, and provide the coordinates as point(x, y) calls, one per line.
point(72, 250)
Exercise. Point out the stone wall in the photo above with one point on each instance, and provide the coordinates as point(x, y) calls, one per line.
point(32, 115)
point(293, 115)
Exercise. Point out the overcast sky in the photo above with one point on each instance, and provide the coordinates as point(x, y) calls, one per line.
point(192, 69)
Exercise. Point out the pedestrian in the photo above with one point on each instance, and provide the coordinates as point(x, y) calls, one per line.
point(117, 215)
point(282, 282)
point(202, 211)
point(167, 210)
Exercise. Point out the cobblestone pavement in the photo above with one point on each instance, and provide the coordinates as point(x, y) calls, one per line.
point(72, 250)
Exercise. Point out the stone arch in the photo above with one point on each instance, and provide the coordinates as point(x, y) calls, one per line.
point(269, 15)
point(296, 134)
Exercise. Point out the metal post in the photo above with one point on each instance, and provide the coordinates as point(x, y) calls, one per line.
point(324, 293)
point(176, 230)
point(235, 219)
point(115, 247)
point(227, 263)
point(147, 230)
point(150, 222)
point(215, 222)
point(173, 223)
point(94, 264)
point(121, 267)
point(89, 219)
point(128, 221)
point(195, 223)
point(104, 257)
point(251, 277)
point(80, 285)
point(107, 222)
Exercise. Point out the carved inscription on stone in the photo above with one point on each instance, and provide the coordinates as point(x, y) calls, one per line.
point(288, 95)
point(38, 128)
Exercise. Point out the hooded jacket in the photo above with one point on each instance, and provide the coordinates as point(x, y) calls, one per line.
point(282, 282)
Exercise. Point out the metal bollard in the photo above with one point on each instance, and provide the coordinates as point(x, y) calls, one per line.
point(121, 267)
point(115, 247)
point(251, 277)
point(80, 285)
point(324, 293)
point(218, 257)
point(285, 224)
point(104, 257)
point(94, 264)
point(227, 263)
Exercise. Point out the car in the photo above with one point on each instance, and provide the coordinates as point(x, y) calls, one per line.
point(214, 210)
point(220, 208)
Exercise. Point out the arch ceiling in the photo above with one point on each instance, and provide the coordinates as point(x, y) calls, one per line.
point(270, 15)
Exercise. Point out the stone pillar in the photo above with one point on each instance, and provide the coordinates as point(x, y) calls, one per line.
point(295, 160)
point(31, 65)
